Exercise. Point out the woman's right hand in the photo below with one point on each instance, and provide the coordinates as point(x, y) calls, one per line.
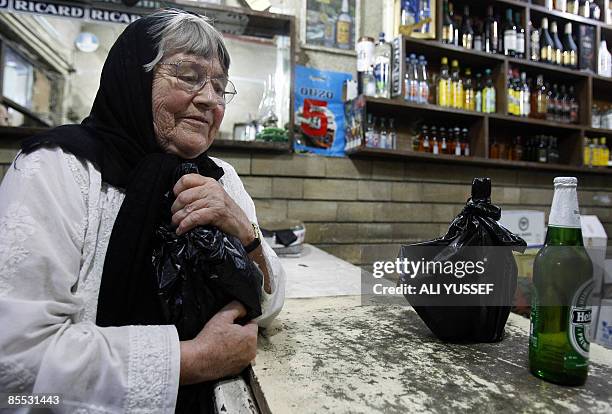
point(222, 348)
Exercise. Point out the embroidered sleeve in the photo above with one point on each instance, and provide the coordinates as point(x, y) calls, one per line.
point(45, 345)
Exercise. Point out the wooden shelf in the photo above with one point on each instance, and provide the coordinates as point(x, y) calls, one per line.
point(565, 16)
point(600, 131)
point(401, 103)
point(467, 57)
point(251, 145)
point(548, 68)
point(442, 158)
point(534, 121)
point(19, 133)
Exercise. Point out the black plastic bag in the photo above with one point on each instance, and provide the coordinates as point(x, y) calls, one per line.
point(201, 271)
point(474, 235)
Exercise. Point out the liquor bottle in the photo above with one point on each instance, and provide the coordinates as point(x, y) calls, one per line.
point(594, 151)
point(551, 104)
point(605, 157)
point(553, 151)
point(510, 98)
point(587, 159)
point(448, 25)
point(478, 37)
point(562, 278)
point(467, 33)
point(382, 141)
point(418, 139)
point(584, 9)
point(435, 148)
point(392, 135)
point(427, 140)
point(558, 104)
point(557, 45)
point(539, 99)
point(573, 6)
point(478, 93)
point(565, 105)
point(456, 25)
point(375, 134)
point(560, 5)
point(465, 142)
point(517, 149)
point(456, 86)
point(457, 145)
point(520, 36)
point(369, 134)
point(423, 81)
point(570, 50)
point(488, 94)
point(469, 103)
point(444, 85)
point(543, 150)
point(407, 80)
point(494, 149)
point(534, 48)
point(574, 108)
point(509, 35)
point(525, 95)
point(344, 27)
point(382, 67)
point(491, 32)
point(413, 81)
point(546, 43)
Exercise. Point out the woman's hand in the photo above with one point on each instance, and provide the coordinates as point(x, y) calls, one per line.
point(203, 201)
point(221, 349)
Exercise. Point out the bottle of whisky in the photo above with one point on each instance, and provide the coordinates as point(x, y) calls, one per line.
point(448, 25)
point(467, 32)
point(557, 45)
point(546, 43)
point(509, 34)
point(570, 50)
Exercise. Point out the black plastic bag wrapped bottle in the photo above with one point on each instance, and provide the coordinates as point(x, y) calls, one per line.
point(473, 236)
point(201, 271)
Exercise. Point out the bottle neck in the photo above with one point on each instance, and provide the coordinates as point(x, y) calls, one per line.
point(564, 212)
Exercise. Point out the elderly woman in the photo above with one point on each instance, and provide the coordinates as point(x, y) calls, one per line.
point(78, 306)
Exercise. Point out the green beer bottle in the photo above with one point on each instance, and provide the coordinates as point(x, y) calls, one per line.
point(562, 278)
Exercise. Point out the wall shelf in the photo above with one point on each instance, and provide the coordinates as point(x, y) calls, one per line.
point(364, 152)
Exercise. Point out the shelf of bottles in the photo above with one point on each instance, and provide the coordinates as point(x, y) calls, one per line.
point(529, 95)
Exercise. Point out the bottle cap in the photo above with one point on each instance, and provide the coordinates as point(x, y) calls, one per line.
point(565, 181)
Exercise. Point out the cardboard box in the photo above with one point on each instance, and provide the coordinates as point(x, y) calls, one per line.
point(601, 326)
point(586, 47)
point(528, 224)
point(595, 242)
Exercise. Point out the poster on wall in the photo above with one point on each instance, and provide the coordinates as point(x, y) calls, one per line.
point(331, 24)
point(319, 111)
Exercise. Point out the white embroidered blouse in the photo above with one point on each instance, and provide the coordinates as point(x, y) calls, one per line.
point(56, 218)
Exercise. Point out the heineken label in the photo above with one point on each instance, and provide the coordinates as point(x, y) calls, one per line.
point(580, 320)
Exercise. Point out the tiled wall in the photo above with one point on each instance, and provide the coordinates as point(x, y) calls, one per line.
point(362, 210)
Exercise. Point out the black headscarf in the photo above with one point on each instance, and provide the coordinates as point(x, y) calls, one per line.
point(118, 137)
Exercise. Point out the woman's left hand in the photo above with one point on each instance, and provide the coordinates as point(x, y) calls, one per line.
point(203, 201)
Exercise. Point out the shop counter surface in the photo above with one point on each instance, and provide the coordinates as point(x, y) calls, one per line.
point(334, 354)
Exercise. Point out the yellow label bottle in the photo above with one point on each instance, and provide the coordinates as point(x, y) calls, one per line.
point(605, 158)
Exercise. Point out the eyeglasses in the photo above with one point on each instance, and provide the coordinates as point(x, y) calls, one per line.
point(191, 77)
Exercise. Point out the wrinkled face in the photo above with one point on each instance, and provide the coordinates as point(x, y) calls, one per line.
point(185, 123)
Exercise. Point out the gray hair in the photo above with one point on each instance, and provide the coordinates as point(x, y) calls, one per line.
point(177, 31)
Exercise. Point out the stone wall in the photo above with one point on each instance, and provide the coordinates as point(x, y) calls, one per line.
point(362, 209)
